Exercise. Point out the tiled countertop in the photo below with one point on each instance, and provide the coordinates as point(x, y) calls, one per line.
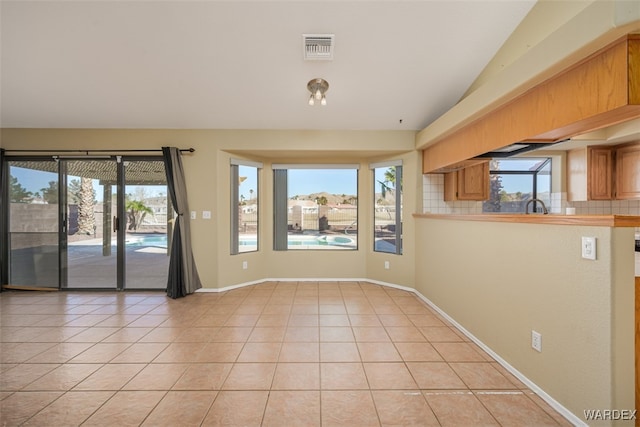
point(596, 220)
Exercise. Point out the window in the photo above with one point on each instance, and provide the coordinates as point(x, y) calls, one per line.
point(244, 206)
point(387, 196)
point(514, 182)
point(315, 207)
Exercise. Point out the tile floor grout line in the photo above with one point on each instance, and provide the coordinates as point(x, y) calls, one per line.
point(383, 312)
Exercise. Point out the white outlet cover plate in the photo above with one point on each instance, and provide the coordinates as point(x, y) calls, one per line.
point(536, 341)
point(193, 214)
point(206, 214)
point(589, 248)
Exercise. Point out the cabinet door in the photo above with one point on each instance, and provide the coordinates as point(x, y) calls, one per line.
point(473, 182)
point(600, 169)
point(628, 172)
point(577, 175)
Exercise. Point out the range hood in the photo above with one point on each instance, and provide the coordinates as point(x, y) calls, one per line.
point(517, 148)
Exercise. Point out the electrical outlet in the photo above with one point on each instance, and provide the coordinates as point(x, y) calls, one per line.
point(386, 265)
point(536, 341)
point(589, 248)
point(193, 214)
point(245, 265)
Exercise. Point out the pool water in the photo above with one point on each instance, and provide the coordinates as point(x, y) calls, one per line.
point(158, 240)
point(307, 241)
point(293, 241)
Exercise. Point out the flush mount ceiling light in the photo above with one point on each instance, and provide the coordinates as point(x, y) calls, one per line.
point(318, 87)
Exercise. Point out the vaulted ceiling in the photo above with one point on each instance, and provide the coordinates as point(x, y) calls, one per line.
point(398, 65)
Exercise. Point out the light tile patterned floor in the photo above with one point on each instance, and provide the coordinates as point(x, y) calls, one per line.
point(273, 354)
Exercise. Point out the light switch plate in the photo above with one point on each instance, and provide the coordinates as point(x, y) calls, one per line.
point(589, 248)
point(206, 214)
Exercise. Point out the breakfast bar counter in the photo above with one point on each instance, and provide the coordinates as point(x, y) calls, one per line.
point(595, 220)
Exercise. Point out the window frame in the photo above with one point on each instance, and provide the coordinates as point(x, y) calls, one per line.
point(281, 198)
point(398, 203)
point(235, 203)
point(544, 162)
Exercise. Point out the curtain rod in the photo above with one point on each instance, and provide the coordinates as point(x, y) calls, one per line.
point(190, 150)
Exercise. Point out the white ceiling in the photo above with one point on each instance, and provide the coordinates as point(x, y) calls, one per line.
point(238, 64)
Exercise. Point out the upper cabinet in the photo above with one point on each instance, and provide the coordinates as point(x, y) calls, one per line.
point(600, 170)
point(603, 173)
point(628, 172)
point(470, 183)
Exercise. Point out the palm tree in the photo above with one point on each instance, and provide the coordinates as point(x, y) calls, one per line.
point(136, 211)
point(389, 183)
point(86, 200)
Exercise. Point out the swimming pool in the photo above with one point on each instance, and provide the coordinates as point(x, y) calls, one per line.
point(155, 240)
point(309, 242)
point(294, 241)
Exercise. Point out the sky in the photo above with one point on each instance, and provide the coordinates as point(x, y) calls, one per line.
point(305, 181)
point(33, 180)
point(524, 183)
point(250, 183)
point(332, 181)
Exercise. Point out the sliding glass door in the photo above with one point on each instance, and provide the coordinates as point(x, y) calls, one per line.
point(33, 227)
point(90, 223)
point(91, 218)
point(148, 214)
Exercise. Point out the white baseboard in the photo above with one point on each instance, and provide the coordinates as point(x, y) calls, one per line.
point(526, 381)
point(572, 418)
point(288, 279)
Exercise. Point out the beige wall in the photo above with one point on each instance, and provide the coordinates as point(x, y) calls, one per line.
point(500, 281)
point(208, 183)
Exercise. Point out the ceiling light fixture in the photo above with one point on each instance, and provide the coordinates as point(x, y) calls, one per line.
point(318, 87)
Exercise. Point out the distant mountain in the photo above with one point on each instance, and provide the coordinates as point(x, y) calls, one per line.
point(332, 199)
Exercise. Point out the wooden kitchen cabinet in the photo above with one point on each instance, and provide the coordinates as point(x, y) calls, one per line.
point(590, 174)
point(604, 173)
point(600, 169)
point(470, 183)
point(627, 164)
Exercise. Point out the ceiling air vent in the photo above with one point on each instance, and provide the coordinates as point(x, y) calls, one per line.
point(318, 46)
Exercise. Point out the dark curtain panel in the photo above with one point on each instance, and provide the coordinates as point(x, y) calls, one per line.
point(4, 213)
point(235, 199)
point(183, 275)
point(280, 196)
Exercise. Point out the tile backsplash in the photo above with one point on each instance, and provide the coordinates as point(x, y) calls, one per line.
point(618, 207)
point(433, 198)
